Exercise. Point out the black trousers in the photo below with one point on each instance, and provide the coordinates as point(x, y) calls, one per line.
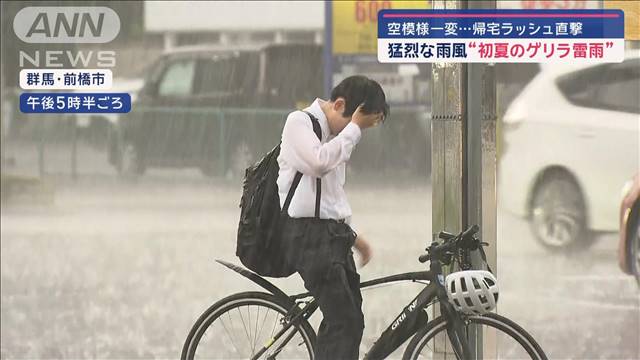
point(320, 251)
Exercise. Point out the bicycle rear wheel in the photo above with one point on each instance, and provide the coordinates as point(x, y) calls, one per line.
point(506, 340)
point(238, 326)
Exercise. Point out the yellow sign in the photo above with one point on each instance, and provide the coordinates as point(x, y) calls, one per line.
point(355, 23)
point(631, 16)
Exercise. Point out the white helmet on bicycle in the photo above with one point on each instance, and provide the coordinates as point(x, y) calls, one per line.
point(472, 291)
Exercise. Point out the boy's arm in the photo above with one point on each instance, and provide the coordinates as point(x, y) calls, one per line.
point(364, 250)
point(306, 153)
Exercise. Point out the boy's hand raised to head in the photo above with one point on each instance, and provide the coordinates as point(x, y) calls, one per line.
point(365, 121)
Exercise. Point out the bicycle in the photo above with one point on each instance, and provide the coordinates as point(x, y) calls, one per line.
point(288, 334)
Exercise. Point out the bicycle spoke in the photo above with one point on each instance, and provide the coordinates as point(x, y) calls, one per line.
point(252, 339)
point(498, 343)
point(257, 321)
point(264, 320)
point(245, 327)
point(273, 330)
point(229, 335)
point(222, 337)
point(275, 323)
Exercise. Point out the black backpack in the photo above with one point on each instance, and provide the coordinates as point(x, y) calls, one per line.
point(259, 244)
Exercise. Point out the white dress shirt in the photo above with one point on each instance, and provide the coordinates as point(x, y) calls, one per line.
point(302, 151)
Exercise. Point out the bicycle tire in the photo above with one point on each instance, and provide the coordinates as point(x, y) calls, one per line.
point(228, 304)
point(499, 323)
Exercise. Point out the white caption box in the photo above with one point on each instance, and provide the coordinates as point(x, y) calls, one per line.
point(66, 79)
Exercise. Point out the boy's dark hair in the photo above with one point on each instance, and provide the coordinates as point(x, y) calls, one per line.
point(358, 90)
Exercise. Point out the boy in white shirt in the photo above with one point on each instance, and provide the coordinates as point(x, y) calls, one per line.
point(319, 232)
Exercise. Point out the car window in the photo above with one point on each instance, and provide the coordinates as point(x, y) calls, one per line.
point(177, 79)
point(511, 79)
point(216, 76)
point(580, 87)
point(152, 72)
point(224, 75)
point(620, 89)
point(610, 86)
point(300, 65)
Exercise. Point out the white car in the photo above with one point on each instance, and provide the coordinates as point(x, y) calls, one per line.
point(570, 142)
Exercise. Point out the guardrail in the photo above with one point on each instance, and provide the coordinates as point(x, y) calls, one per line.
point(402, 141)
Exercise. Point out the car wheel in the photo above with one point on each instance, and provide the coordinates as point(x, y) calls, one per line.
point(131, 164)
point(558, 215)
point(241, 158)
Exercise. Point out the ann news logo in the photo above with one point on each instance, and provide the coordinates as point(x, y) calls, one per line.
point(66, 24)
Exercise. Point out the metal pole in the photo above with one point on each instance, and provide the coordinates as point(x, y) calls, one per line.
point(446, 155)
point(463, 155)
point(446, 142)
point(479, 164)
point(479, 169)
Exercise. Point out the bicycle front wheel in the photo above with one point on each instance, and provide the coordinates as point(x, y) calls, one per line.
point(238, 326)
point(504, 339)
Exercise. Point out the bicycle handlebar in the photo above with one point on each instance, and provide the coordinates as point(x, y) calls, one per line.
point(445, 235)
point(451, 242)
point(470, 232)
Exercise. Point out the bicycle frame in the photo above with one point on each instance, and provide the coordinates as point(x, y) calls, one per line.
point(410, 321)
point(412, 318)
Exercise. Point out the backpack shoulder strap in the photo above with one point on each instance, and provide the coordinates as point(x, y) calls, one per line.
point(316, 125)
point(296, 179)
point(318, 131)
